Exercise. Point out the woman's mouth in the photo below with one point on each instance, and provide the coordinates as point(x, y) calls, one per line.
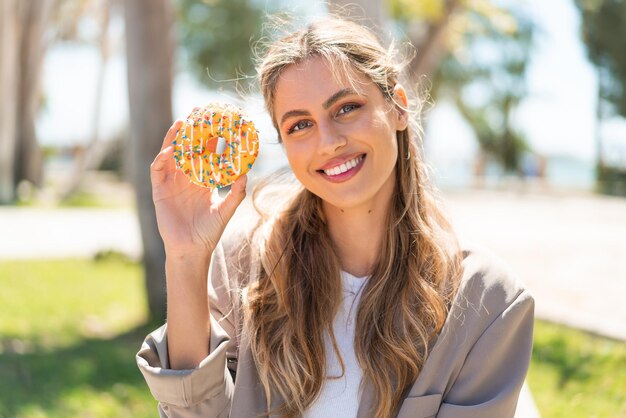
point(343, 171)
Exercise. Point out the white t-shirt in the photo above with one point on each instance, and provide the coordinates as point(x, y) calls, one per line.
point(340, 397)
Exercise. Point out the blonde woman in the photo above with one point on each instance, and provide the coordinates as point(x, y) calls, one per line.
point(356, 299)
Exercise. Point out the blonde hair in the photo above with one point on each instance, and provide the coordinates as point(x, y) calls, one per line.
point(291, 307)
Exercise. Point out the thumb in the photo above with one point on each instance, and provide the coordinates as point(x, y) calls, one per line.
point(233, 198)
point(162, 164)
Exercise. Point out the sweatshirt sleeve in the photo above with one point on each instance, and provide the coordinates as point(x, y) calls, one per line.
point(205, 391)
point(490, 380)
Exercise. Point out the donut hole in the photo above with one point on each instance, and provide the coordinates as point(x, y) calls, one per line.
point(216, 145)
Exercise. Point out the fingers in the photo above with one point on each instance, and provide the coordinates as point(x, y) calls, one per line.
point(171, 134)
point(239, 186)
point(233, 198)
point(238, 189)
point(162, 164)
point(164, 160)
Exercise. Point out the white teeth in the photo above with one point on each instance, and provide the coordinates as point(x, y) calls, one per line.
point(343, 167)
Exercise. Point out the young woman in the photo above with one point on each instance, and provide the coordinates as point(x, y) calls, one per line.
point(355, 299)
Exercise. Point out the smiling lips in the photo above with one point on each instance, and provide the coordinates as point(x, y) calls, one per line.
point(344, 170)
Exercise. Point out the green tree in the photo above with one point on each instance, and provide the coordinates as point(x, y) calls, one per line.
point(485, 77)
point(603, 31)
point(476, 53)
point(216, 37)
point(427, 25)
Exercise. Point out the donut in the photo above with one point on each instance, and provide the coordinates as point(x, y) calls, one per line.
point(216, 145)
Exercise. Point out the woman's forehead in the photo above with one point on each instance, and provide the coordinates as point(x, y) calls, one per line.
point(316, 78)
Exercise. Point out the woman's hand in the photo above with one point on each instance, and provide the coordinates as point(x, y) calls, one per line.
point(190, 218)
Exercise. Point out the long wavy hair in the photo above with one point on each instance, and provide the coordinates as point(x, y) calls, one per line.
point(291, 307)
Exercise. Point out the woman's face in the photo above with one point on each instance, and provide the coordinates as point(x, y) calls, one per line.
point(340, 143)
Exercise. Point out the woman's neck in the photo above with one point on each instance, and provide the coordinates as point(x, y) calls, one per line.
point(358, 232)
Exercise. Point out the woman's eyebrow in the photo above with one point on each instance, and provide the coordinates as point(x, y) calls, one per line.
point(328, 103)
point(293, 113)
point(337, 96)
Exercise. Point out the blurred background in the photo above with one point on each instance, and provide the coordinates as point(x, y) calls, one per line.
point(524, 131)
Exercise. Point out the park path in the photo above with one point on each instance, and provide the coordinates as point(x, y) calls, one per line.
point(570, 250)
point(28, 233)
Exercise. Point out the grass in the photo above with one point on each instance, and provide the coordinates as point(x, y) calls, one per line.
point(574, 374)
point(68, 334)
point(69, 331)
point(81, 199)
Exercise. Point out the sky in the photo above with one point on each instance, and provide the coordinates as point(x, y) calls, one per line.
point(557, 117)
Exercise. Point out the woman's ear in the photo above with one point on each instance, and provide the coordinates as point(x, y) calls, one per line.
point(402, 107)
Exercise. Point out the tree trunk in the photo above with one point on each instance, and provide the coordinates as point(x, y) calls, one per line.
point(599, 120)
point(8, 98)
point(149, 50)
point(33, 18)
point(429, 43)
point(94, 151)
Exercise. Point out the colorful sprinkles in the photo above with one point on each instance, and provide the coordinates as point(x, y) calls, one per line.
point(197, 151)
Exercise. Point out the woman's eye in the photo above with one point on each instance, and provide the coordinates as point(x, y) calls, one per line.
point(348, 108)
point(303, 124)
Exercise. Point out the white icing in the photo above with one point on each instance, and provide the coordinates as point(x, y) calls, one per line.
point(193, 167)
point(221, 145)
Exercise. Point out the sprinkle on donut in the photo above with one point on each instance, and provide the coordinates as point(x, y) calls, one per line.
point(216, 145)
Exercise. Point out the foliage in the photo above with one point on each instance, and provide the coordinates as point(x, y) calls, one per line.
point(574, 374)
point(486, 79)
point(428, 10)
point(603, 31)
point(482, 68)
point(611, 180)
point(216, 36)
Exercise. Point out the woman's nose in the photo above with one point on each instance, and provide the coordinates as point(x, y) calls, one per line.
point(331, 139)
